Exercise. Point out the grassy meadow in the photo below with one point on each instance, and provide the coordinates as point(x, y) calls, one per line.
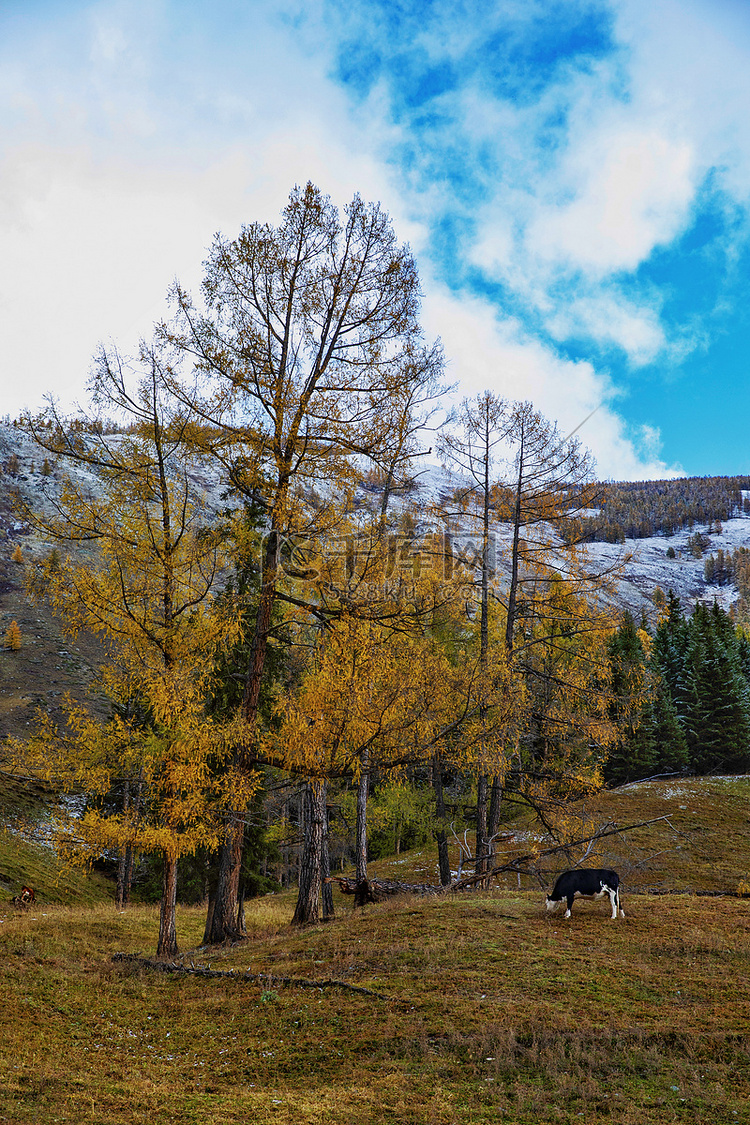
point(480, 1007)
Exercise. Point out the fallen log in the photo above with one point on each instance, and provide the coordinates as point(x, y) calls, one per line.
point(376, 890)
point(267, 979)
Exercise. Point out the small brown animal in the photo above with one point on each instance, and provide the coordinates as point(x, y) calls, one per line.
point(25, 898)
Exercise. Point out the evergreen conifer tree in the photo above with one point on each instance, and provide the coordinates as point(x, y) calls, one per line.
point(719, 735)
point(634, 754)
point(670, 655)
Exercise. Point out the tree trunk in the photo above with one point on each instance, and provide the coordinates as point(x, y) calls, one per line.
point(325, 867)
point(221, 921)
point(241, 927)
point(362, 794)
point(121, 895)
point(493, 816)
point(481, 863)
point(167, 946)
point(307, 911)
point(510, 623)
point(444, 863)
point(224, 923)
point(481, 853)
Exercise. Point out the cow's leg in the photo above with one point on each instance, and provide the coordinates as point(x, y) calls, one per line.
point(613, 902)
point(570, 905)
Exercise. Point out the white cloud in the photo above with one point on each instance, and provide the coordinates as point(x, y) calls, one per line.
point(568, 223)
point(489, 352)
point(102, 204)
point(622, 185)
point(688, 64)
point(631, 190)
point(610, 318)
point(131, 136)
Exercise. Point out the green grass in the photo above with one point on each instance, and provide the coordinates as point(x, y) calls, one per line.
point(24, 820)
point(487, 1009)
point(59, 883)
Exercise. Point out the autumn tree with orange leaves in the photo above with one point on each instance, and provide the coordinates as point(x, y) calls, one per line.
point(382, 699)
point(143, 585)
point(307, 335)
point(524, 491)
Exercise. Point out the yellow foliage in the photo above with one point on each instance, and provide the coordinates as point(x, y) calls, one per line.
point(187, 773)
point(146, 590)
point(568, 725)
point(13, 637)
point(391, 696)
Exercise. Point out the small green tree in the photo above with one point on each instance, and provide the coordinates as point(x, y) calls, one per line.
point(719, 730)
point(633, 754)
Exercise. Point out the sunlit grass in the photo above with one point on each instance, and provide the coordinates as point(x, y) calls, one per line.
point(22, 862)
point(483, 1007)
point(486, 1009)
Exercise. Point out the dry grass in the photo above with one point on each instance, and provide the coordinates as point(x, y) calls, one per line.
point(57, 883)
point(703, 845)
point(490, 1010)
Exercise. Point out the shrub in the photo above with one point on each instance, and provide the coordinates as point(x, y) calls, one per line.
point(13, 637)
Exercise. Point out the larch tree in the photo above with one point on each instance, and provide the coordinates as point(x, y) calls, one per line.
point(364, 702)
point(548, 488)
point(145, 589)
point(526, 489)
point(475, 450)
point(384, 694)
point(557, 605)
point(379, 699)
point(308, 330)
point(570, 722)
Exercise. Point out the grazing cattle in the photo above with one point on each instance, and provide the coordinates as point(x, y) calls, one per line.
point(25, 898)
point(586, 883)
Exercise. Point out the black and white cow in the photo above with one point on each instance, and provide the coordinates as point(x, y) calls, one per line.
point(586, 882)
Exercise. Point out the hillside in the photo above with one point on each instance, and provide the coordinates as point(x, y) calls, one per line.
point(639, 509)
point(49, 664)
point(698, 841)
point(478, 1007)
point(648, 564)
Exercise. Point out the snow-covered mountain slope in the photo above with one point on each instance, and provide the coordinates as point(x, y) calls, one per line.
point(648, 567)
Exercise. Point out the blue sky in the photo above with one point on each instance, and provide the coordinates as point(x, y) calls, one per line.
point(574, 178)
